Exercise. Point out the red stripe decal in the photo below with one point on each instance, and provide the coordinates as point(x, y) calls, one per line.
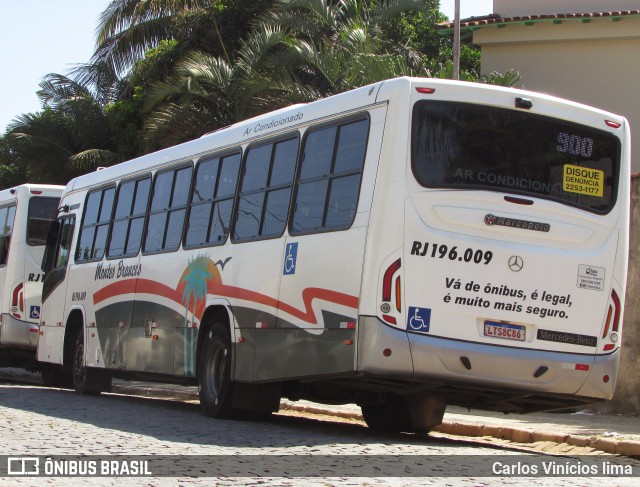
point(146, 286)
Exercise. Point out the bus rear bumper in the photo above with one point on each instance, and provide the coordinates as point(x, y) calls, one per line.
point(392, 352)
point(18, 333)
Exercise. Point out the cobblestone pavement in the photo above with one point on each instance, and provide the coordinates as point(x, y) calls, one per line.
point(38, 421)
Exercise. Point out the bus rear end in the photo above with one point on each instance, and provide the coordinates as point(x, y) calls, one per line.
point(508, 291)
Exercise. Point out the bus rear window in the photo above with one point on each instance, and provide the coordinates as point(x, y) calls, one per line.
point(458, 145)
point(42, 211)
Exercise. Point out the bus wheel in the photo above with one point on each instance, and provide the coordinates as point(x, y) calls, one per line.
point(214, 373)
point(87, 380)
point(392, 415)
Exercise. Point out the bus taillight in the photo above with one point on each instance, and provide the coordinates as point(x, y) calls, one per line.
point(17, 301)
point(388, 279)
point(615, 311)
point(425, 91)
point(612, 124)
point(616, 316)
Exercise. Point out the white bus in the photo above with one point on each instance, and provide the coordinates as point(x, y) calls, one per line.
point(406, 245)
point(26, 212)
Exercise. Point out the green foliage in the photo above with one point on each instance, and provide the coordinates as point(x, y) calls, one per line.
point(167, 71)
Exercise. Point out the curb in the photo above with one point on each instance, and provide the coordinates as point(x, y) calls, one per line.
point(607, 445)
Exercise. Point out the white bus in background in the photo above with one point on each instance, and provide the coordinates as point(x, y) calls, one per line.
point(26, 212)
point(403, 246)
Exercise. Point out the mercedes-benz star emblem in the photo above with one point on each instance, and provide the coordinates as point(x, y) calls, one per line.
point(516, 263)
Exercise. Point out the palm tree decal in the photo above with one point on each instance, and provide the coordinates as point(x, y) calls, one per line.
point(195, 288)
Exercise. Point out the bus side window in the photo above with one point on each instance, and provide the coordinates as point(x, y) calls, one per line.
point(265, 191)
point(210, 210)
point(168, 210)
point(7, 215)
point(95, 225)
point(330, 174)
point(129, 218)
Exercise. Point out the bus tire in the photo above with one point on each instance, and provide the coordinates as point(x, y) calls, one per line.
point(215, 387)
point(87, 380)
point(392, 415)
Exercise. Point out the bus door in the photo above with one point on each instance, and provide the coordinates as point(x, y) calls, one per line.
point(54, 291)
point(323, 256)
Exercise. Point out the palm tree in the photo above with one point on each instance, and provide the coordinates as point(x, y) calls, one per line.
point(207, 92)
point(195, 289)
point(301, 51)
point(344, 44)
point(70, 136)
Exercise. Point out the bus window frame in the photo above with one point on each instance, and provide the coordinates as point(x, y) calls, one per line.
point(102, 188)
point(128, 218)
point(267, 189)
point(220, 154)
point(9, 234)
point(615, 187)
point(175, 167)
point(365, 115)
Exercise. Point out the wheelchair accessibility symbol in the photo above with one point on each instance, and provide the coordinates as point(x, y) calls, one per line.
point(34, 312)
point(290, 259)
point(419, 319)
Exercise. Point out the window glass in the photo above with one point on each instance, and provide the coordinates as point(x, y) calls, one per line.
point(309, 207)
point(162, 191)
point(249, 216)
point(318, 152)
point(11, 216)
point(85, 245)
point(107, 205)
point(118, 238)
point(100, 242)
point(256, 168)
point(64, 244)
point(198, 224)
point(164, 231)
point(352, 146)
point(3, 220)
point(125, 199)
point(92, 208)
point(263, 203)
point(42, 211)
point(220, 221)
point(275, 215)
point(95, 225)
point(228, 176)
point(210, 211)
point(5, 241)
point(284, 162)
point(468, 146)
point(181, 187)
point(330, 174)
point(136, 226)
point(205, 183)
point(155, 232)
point(142, 196)
point(126, 230)
point(343, 201)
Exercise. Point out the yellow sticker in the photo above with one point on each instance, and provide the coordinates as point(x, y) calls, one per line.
point(583, 180)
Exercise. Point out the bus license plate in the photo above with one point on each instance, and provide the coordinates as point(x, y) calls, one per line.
point(508, 331)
